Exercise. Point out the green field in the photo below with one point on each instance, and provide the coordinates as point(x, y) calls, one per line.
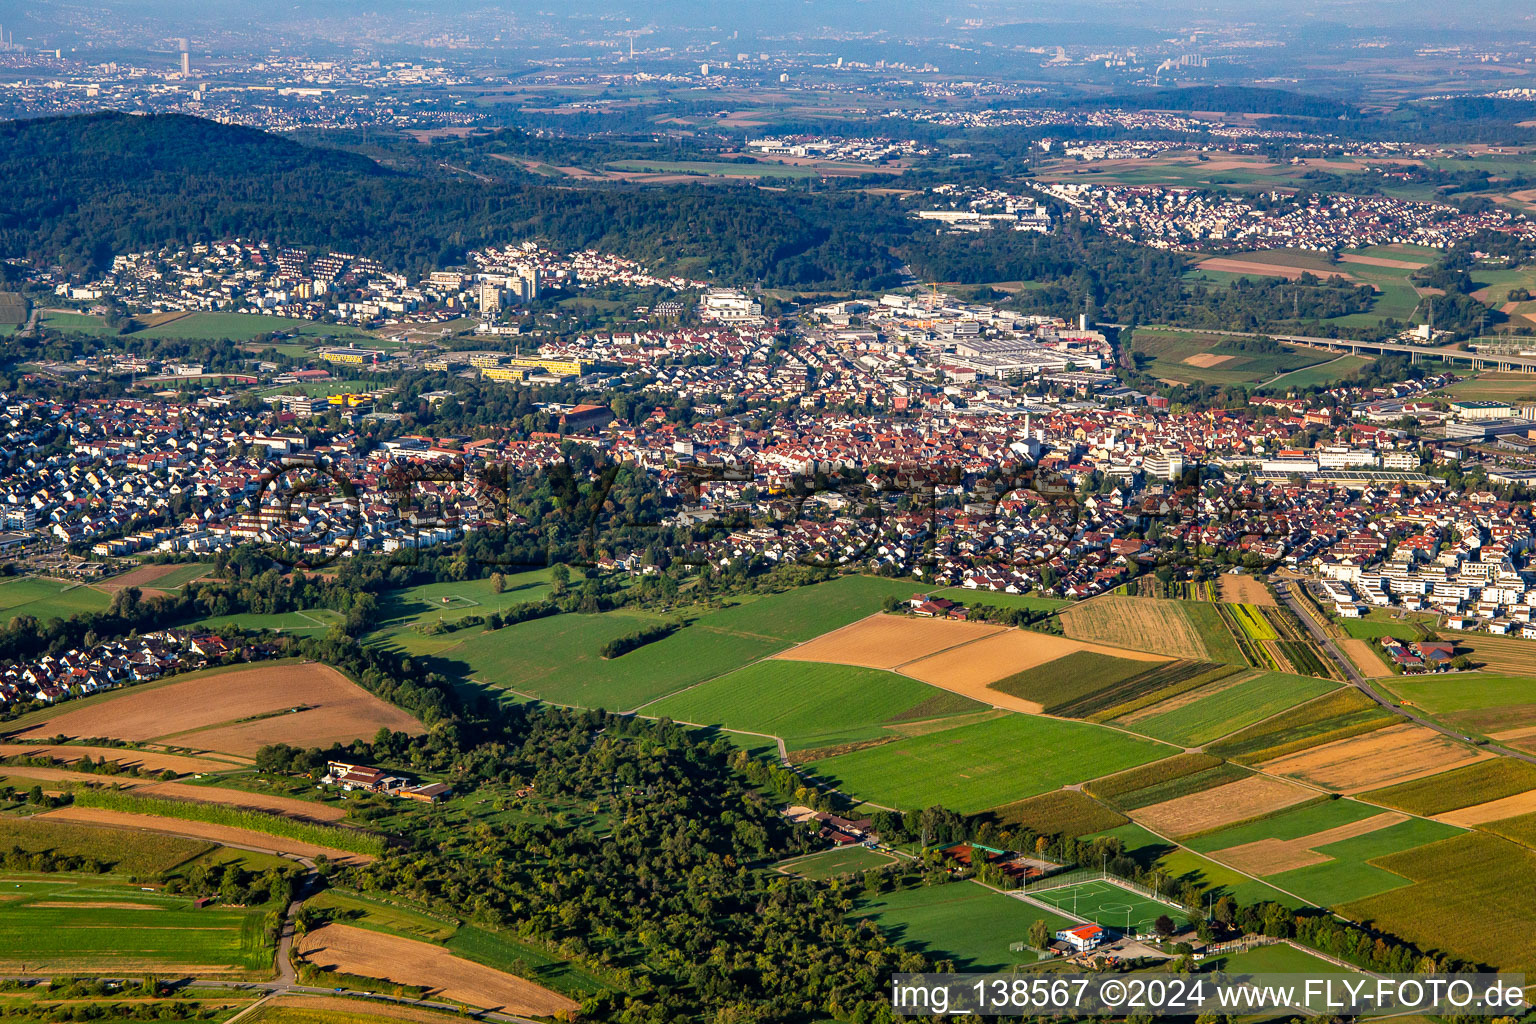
point(81, 924)
point(1107, 904)
point(45, 599)
point(1351, 874)
point(1235, 707)
point(1220, 880)
point(313, 622)
point(1473, 895)
point(998, 599)
point(811, 704)
point(1279, 958)
point(1495, 387)
point(394, 917)
point(1465, 691)
point(1344, 712)
point(1167, 780)
point(1066, 680)
point(834, 863)
point(1142, 846)
point(986, 764)
point(558, 658)
point(124, 852)
point(180, 576)
point(1162, 353)
point(961, 921)
point(1321, 375)
point(77, 323)
point(245, 326)
point(806, 612)
point(1288, 824)
point(402, 613)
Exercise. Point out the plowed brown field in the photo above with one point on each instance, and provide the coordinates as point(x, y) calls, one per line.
point(225, 711)
point(147, 760)
point(408, 962)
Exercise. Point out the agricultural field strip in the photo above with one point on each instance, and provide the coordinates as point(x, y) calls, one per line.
point(1283, 711)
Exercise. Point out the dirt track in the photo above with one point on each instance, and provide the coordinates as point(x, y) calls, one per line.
point(408, 962)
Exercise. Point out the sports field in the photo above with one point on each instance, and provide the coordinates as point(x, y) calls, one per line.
point(84, 925)
point(960, 921)
point(811, 704)
point(45, 599)
point(1107, 904)
point(973, 767)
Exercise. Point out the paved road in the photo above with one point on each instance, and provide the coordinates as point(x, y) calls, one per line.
point(1309, 619)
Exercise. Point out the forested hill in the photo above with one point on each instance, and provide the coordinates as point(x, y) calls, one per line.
point(79, 189)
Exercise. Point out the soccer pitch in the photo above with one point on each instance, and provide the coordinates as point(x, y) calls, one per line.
point(1106, 904)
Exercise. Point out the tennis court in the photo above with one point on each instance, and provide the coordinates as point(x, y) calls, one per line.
point(1107, 904)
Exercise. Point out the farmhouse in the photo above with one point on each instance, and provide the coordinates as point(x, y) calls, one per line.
point(375, 780)
point(1083, 937)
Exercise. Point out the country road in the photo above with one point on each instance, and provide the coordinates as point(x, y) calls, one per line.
point(1309, 619)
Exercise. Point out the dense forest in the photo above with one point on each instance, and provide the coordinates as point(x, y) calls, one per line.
point(84, 188)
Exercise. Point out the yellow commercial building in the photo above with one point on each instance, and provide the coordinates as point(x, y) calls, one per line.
point(504, 373)
point(559, 367)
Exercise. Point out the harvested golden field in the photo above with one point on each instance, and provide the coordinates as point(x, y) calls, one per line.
point(1205, 360)
point(1244, 589)
point(225, 835)
point(1212, 808)
point(408, 962)
point(1500, 653)
point(305, 705)
point(1138, 623)
point(143, 577)
point(1231, 266)
point(285, 805)
point(341, 1010)
point(1364, 656)
point(144, 760)
point(1398, 753)
point(886, 641)
point(1492, 810)
point(968, 669)
point(1271, 856)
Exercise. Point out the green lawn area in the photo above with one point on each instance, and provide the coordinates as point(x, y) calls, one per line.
point(80, 923)
point(1142, 846)
point(1221, 880)
point(557, 658)
point(998, 599)
point(45, 599)
point(1277, 959)
point(960, 921)
point(244, 326)
point(312, 622)
point(1495, 387)
point(393, 917)
point(811, 704)
point(1350, 875)
point(78, 323)
point(1322, 374)
point(403, 610)
point(1292, 824)
point(833, 863)
point(806, 612)
point(1233, 708)
point(985, 764)
point(1162, 353)
point(1464, 691)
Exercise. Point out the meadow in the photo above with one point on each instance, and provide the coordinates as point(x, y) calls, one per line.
point(558, 658)
point(132, 854)
point(1321, 375)
point(1353, 873)
point(45, 599)
point(88, 926)
point(1167, 354)
point(1207, 717)
point(811, 704)
point(806, 612)
point(1219, 880)
point(403, 613)
point(987, 764)
point(835, 863)
point(1464, 691)
point(964, 922)
point(245, 326)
